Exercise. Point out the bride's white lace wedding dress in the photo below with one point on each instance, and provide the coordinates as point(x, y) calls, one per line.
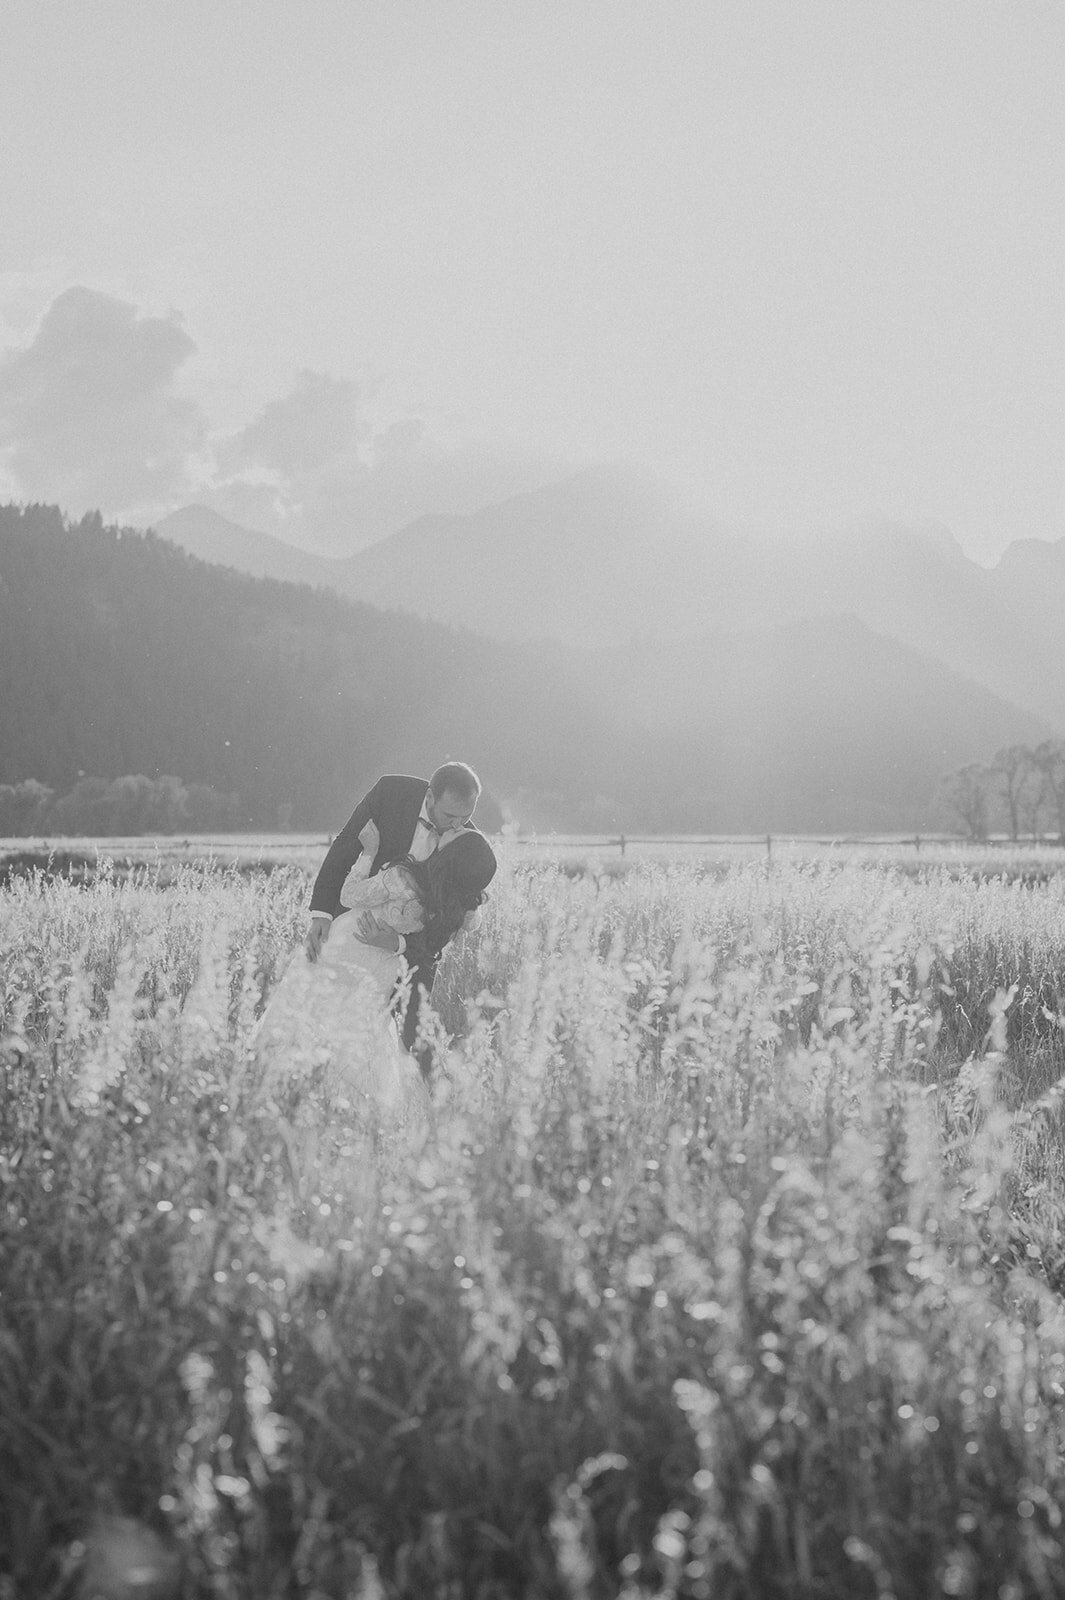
point(335, 1013)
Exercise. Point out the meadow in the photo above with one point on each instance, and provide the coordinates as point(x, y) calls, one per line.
point(732, 1270)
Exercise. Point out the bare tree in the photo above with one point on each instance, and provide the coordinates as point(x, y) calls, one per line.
point(967, 791)
point(1033, 804)
point(1049, 760)
point(1018, 777)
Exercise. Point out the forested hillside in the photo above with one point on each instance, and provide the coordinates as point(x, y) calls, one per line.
point(121, 654)
point(272, 704)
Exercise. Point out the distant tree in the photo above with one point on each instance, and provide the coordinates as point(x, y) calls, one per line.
point(126, 806)
point(25, 807)
point(130, 805)
point(1049, 760)
point(170, 806)
point(967, 793)
point(1017, 776)
point(209, 811)
point(1033, 805)
point(85, 810)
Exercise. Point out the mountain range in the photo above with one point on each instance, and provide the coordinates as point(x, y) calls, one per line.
point(600, 561)
point(625, 675)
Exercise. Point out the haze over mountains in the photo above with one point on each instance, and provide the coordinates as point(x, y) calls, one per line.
point(602, 561)
point(684, 689)
point(804, 665)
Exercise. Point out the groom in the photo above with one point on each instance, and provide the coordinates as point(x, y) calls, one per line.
point(399, 817)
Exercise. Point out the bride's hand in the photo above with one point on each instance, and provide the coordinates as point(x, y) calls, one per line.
point(373, 932)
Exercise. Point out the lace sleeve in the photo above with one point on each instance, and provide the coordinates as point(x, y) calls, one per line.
point(388, 896)
point(404, 915)
point(366, 894)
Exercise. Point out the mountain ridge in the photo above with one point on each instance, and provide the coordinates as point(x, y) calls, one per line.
point(593, 560)
point(121, 653)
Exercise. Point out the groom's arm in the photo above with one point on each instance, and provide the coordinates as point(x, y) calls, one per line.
point(341, 856)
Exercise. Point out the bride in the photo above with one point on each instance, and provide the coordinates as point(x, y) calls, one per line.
point(336, 1012)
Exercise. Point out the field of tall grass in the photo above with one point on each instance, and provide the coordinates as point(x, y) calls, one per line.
point(732, 1269)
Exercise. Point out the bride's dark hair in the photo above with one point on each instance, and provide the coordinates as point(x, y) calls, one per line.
point(450, 883)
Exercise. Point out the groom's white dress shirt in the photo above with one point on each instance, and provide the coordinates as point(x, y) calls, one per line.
point(426, 837)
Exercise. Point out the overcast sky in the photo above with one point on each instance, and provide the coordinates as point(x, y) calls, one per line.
point(327, 263)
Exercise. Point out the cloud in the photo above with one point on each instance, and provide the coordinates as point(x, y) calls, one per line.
point(89, 418)
point(412, 474)
point(314, 426)
point(309, 469)
point(88, 414)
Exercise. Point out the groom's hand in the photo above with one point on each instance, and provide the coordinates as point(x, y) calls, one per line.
point(317, 934)
point(373, 932)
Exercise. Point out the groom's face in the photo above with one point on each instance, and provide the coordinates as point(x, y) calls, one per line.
point(449, 810)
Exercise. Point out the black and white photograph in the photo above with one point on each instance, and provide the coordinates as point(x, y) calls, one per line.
point(532, 799)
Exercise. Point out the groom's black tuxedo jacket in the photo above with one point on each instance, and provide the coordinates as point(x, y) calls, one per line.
point(392, 805)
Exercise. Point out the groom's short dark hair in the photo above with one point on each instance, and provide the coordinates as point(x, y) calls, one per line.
point(455, 777)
